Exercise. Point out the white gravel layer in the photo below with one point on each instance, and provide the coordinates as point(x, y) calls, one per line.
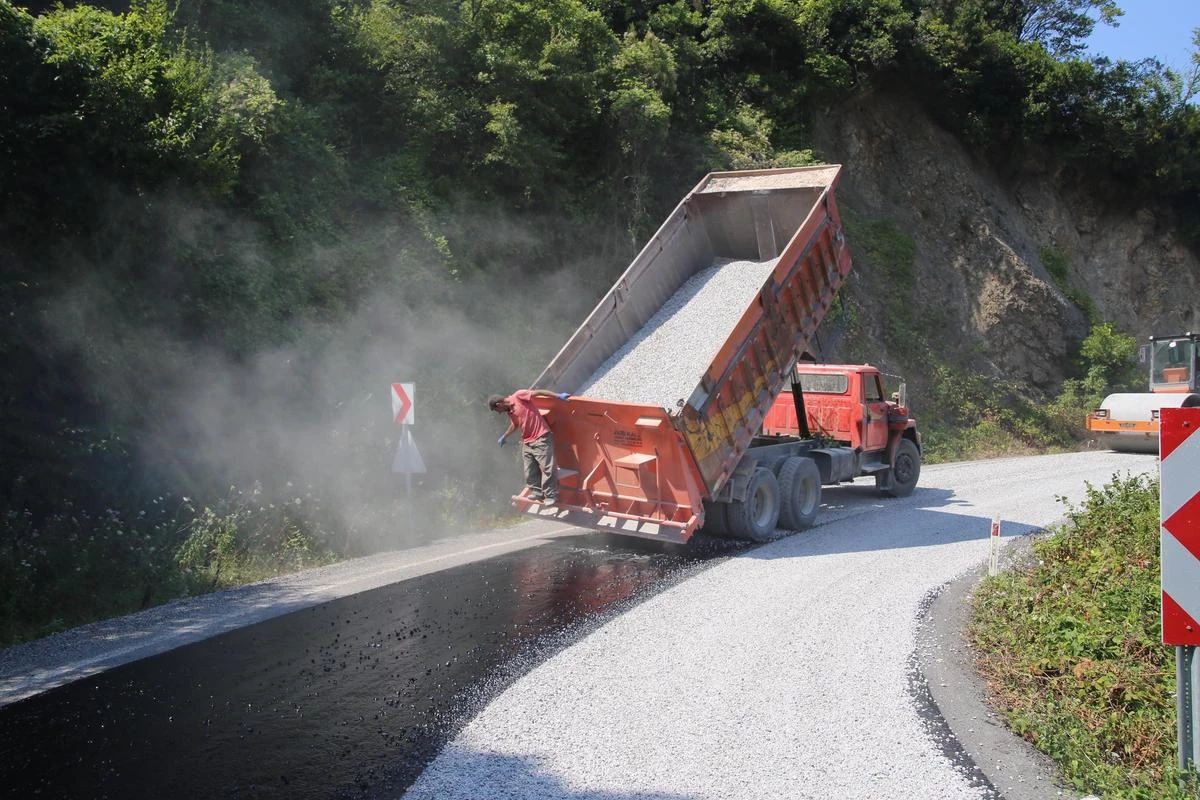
point(664, 361)
point(781, 673)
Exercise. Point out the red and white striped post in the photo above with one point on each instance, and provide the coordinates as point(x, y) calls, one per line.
point(1179, 551)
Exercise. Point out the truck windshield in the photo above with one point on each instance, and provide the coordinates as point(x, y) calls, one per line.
point(1172, 361)
point(822, 382)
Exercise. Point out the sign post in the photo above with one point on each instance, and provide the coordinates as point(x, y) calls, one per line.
point(408, 458)
point(994, 554)
point(1179, 549)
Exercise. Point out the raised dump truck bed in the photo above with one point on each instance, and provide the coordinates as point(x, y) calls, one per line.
point(771, 243)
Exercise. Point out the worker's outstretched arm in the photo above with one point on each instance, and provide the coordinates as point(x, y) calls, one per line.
point(507, 432)
point(548, 393)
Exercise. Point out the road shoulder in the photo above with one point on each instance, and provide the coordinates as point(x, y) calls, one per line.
point(33, 667)
point(1011, 765)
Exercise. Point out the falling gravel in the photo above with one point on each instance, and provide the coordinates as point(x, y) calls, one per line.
point(665, 360)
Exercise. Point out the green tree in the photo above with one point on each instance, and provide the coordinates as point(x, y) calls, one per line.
point(1061, 25)
point(640, 113)
point(1108, 356)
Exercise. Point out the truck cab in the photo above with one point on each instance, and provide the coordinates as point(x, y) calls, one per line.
point(843, 404)
point(834, 425)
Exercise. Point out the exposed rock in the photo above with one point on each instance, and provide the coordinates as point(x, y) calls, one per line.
point(980, 240)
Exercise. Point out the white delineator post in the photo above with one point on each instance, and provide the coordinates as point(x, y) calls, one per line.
point(994, 555)
point(1179, 551)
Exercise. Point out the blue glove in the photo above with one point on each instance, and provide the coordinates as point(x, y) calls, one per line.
point(563, 395)
point(500, 441)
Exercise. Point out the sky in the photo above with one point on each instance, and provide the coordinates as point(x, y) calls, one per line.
point(1150, 28)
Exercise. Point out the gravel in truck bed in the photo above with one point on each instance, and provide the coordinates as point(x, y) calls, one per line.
point(664, 361)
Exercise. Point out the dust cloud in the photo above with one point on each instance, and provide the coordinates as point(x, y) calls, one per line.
point(309, 420)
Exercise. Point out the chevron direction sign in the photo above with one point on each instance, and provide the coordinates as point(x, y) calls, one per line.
point(403, 405)
point(1179, 542)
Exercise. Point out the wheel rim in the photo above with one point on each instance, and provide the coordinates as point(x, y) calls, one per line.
point(760, 508)
point(806, 495)
point(904, 468)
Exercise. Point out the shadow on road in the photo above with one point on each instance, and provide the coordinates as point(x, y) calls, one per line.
point(925, 518)
point(462, 774)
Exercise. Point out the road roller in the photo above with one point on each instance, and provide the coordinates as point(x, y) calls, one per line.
point(1128, 421)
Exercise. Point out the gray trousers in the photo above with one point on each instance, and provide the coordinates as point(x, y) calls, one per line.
point(541, 474)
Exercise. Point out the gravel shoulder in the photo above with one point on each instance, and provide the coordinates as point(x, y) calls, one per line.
point(1012, 766)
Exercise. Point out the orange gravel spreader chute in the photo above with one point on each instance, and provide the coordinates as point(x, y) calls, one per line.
point(621, 467)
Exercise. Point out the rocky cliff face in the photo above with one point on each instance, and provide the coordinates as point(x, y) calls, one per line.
point(981, 243)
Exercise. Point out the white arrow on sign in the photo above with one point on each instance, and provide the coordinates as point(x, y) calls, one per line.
point(403, 406)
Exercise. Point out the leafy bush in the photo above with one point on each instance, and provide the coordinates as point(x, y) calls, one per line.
point(244, 538)
point(76, 566)
point(1069, 644)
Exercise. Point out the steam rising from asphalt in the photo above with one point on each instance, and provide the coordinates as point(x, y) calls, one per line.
point(314, 416)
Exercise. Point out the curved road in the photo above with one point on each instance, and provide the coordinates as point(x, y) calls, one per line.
point(784, 672)
point(797, 669)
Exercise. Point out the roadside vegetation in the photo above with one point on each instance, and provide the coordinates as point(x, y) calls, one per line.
point(1070, 646)
point(971, 416)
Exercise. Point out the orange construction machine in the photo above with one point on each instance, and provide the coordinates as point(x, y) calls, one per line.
point(674, 372)
point(1128, 422)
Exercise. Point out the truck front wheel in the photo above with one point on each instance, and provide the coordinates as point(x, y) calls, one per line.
point(800, 493)
point(905, 470)
point(755, 517)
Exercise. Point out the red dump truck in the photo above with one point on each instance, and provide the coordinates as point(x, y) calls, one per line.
point(663, 433)
point(839, 418)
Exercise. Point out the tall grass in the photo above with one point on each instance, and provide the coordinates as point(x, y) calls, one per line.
point(1069, 645)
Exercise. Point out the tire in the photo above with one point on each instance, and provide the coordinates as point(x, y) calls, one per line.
point(755, 517)
point(714, 519)
point(905, 470)
point(799, 493)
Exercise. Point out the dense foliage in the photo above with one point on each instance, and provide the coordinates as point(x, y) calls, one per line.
point(1070, 645)
point(226, 227)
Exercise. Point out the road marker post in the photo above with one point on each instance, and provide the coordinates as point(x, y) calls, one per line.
point(408, 458)
point(994, 555)
point(1179, 557)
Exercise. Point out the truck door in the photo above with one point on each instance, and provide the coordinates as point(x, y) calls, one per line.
point(875, 423)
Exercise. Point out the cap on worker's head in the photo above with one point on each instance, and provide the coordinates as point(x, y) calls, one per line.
point(494, 401)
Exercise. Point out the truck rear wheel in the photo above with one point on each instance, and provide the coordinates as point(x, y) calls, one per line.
point(800, 493)
point(714, 519)
point(755, 517)
point(905, 470)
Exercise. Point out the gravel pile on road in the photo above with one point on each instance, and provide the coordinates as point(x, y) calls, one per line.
point(665, 360)
point(781, 674)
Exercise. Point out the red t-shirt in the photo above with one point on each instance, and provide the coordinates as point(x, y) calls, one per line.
point(526, 417)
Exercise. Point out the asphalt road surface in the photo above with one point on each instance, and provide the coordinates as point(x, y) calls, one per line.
point(539, 663)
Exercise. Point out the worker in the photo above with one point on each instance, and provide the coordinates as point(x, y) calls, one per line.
point(537, 440)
